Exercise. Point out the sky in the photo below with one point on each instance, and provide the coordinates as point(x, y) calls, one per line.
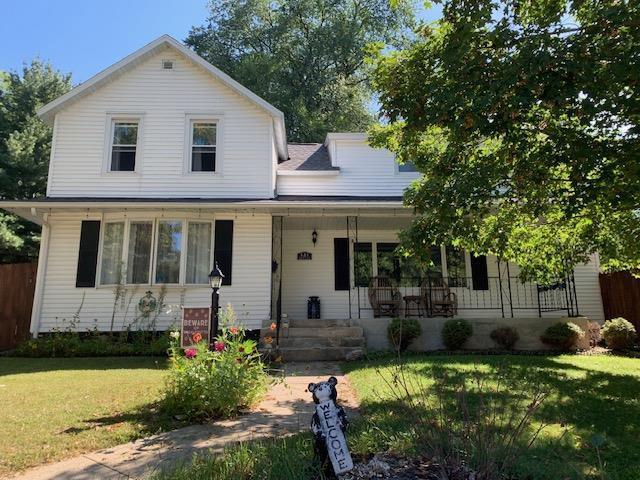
point(86, 36)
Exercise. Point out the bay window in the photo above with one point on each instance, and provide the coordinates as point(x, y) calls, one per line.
point(139, 252)
point(198, 252)
point(111, 266)
point(169, 246)
point(145, 252)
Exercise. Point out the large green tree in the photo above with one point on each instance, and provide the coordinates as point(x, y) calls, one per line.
point(25, 145)
point(306, 57)
point(523, 117)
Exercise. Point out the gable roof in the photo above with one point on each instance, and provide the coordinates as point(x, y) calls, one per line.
point(48, 112)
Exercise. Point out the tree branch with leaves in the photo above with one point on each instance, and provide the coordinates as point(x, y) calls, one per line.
point(525, 129)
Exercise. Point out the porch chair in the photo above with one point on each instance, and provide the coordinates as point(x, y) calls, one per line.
point(384, 297)
point(437, 299)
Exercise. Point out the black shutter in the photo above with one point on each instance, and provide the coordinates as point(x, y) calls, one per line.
point(341, 263)
point(88, 253)
point(223, 251)
point(479, 272)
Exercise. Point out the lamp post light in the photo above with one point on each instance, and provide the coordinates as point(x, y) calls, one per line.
point(215, 280)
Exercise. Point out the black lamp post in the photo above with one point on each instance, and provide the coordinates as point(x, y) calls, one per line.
point(215, 280)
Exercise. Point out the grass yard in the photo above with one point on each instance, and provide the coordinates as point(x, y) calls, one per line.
point(60, 407)
point(595, 400)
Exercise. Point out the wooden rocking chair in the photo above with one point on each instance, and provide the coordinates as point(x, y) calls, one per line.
point(438, 300)
point(384, 297)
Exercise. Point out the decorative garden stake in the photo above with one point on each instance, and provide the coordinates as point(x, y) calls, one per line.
point(328, 425)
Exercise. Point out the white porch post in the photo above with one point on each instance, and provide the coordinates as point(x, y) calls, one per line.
point(43, 258)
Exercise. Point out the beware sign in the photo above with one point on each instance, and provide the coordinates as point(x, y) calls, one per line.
point(195, 325)
point(336, 443)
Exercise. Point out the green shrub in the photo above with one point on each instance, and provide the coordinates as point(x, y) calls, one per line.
point(505, 336)
point(618, 333)
point(562, 335)
point(208, 383)
point(402, 331)
point(455, 333)
point(95, 344)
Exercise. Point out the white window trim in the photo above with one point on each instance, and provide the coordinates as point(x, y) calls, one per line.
point(111, 119)
point(216, 118)
point(155, 222)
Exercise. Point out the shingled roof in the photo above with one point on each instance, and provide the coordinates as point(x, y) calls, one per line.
point(307, 157)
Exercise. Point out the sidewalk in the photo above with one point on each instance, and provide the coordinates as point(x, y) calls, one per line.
point(286, 409)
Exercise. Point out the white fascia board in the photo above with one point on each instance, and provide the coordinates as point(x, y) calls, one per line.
point(308, 173)
point(26, 209)
point(349, 136)
point(47, 112)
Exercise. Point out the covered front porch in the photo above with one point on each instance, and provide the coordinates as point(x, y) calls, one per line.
point(350, 263)
point(337, 281)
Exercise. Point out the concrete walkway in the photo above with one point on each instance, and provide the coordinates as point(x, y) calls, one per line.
point(286, 409)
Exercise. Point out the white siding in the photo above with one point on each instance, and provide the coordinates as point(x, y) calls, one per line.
point(163, 97)
point(249, 294)
point(364, 171)
point(588, 289)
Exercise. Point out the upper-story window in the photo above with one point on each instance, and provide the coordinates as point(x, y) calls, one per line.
point(204, 135)
point(124, 141)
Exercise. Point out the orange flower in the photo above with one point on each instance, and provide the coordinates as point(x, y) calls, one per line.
point(273, 326)
point(268, 340)
point(234, 330)
point(197, 337)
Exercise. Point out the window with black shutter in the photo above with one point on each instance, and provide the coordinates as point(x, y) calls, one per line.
point(341, 263)
point(88, 253)
point(223, 248)
point(479, 274)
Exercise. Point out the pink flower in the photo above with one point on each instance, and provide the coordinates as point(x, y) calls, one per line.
point(190, 352)
point(219, 346)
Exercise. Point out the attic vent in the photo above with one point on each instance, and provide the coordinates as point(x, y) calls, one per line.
point(167, 64)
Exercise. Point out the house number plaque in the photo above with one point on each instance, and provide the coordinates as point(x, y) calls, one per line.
point(304, 256)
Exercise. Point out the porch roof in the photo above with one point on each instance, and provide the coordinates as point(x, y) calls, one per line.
point(35, 209)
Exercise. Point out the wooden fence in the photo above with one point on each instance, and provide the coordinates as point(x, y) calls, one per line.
point(17, 283)
point(621, 296)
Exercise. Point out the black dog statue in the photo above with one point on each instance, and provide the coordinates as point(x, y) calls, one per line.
point(323, 392)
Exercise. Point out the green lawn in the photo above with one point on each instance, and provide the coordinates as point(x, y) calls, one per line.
point(57, 408)
point(591, 396)
point(595, 398)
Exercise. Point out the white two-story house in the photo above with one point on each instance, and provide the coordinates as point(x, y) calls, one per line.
point(162, 165)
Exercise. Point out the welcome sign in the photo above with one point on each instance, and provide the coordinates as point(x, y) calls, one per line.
point(336, 443)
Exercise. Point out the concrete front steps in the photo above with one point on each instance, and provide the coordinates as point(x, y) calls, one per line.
point(317, 340)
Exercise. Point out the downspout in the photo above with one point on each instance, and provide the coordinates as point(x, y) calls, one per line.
point(41, 272)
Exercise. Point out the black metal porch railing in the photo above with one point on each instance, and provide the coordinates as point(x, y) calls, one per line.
point(506, 296)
